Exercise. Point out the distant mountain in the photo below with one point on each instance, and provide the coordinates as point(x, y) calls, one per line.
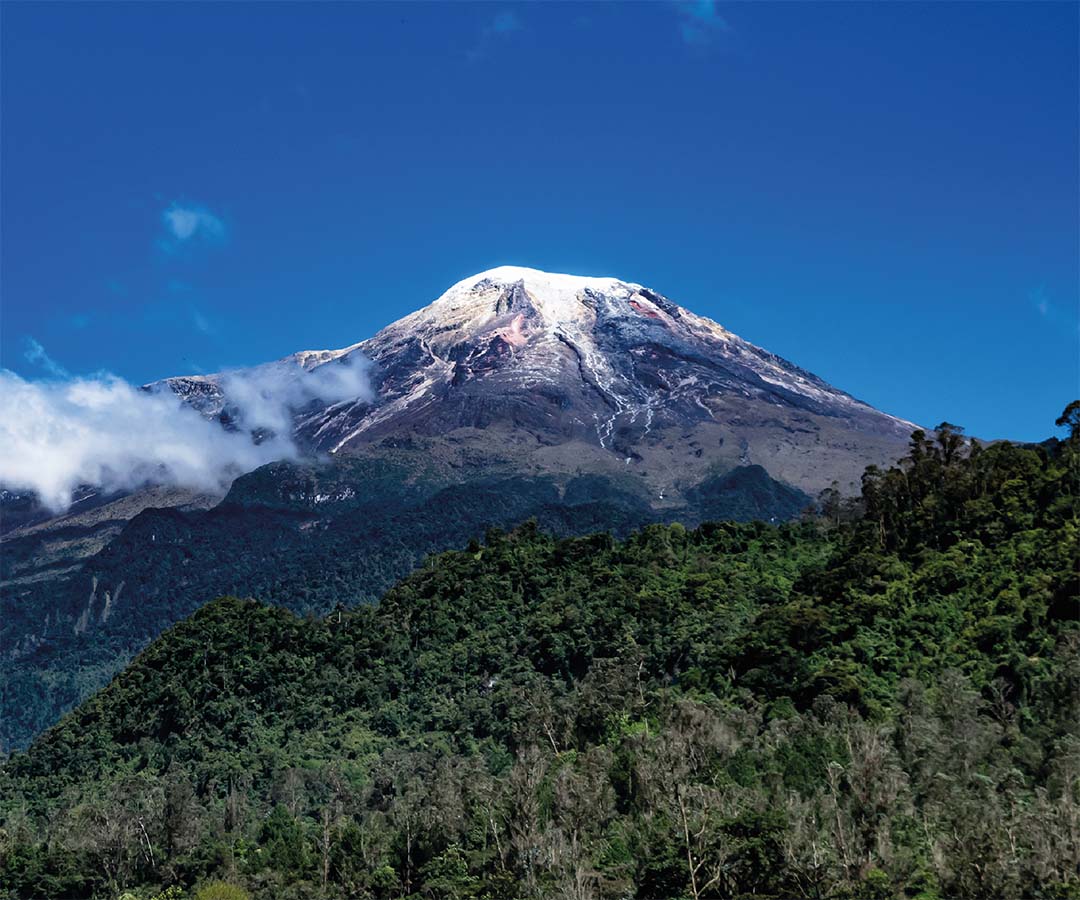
point(613, 368)
point(586, 403)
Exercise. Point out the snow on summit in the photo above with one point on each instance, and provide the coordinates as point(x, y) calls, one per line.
point(560, 356)
point(558, 295)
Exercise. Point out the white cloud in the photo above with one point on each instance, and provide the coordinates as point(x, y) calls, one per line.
point(184, 223)
point(265, 396)
point(103, 431)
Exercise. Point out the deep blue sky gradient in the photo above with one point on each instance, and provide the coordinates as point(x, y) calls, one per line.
point(886, 194)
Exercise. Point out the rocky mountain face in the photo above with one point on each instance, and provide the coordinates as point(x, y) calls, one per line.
point(586, 403)
point(619, 371)
point(564, 357)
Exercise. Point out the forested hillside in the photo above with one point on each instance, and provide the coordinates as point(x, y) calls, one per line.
point(304, 536)
point(879, 702)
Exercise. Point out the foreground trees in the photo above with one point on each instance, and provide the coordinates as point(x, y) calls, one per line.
point(862, 706)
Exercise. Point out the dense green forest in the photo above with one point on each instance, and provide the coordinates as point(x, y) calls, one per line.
point(877, 702)
point(270, 539)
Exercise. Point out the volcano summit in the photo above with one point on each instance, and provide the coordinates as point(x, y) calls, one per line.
point(616, 369)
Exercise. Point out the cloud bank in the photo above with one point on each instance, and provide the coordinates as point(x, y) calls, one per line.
point(103, 431)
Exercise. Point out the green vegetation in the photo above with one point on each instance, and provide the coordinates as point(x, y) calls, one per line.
point(877, 703)
point(272, 539)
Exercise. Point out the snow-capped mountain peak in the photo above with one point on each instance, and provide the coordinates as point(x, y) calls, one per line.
point(562, 357)
point(558, 298)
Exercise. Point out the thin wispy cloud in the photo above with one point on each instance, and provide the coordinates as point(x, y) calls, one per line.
point(699, 22)
point(1038, 299)
point(35, 354)
point(179, 308)
point(505, 22)
point(202, 323)
point(189, 225)
point(79, 321)
point(1052, 313)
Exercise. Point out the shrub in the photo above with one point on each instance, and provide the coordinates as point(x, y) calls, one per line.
point(221, 890)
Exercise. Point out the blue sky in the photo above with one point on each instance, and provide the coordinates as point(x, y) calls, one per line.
point(886, 194)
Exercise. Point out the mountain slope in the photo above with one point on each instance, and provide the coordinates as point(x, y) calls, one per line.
point(309, 538)
point(612, 368)
point(565, 356)
point(883, 709)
